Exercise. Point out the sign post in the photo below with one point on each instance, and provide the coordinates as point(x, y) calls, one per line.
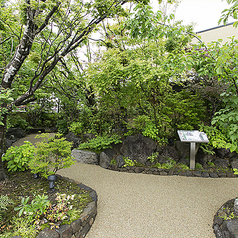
point(192, 137)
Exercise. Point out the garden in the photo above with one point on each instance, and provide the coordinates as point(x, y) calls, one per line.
point(139, 73)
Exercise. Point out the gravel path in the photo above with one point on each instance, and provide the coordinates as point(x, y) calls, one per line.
point(151, 206)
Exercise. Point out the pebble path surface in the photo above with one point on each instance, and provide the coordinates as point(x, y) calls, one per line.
point(151, 206)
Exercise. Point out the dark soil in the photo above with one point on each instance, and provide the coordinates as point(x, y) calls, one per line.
point(22, 185)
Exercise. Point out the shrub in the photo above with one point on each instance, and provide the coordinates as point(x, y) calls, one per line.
point(18, 158)
point(52, 154)
point(100, 143)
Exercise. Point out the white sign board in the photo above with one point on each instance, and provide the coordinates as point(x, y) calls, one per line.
point(193, 136)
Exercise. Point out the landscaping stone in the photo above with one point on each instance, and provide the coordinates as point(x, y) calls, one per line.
point(15, 133)
point(48, 233)
point(138, 147)
point(86, 157)
point(71, 137)
point(222, 163)
point(205, 174)
point(166, 152)
point(203, 158)
point(104, 160)
point(110, 153)
point(65, 231)
point(197, 173)
point(234, 163)
point(213, 175)
point(119, 161)
point(222, 153)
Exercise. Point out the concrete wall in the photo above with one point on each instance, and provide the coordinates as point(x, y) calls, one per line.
point(220, 32)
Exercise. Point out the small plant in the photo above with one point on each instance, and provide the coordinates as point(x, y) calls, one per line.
point(100, 143)
point(128, 162)
point(198, 166)
point(235, 171)
point(113, 161)
point(4, 202)
point(51, 155)
point(211, 164)
point(18, 158)
point(37, 207)
point(183, 166)
point(153, 157)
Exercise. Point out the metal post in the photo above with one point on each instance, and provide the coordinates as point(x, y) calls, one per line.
point(192, 155)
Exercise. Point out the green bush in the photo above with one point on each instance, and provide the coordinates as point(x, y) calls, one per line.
point(51, 155)
point(100, 143)
point(18, 158)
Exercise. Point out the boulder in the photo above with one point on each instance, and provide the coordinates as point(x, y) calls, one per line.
point(104, 160)
point(222, 163)
point(232, 227)
point(184, 149)
point(71, 137)
point(110, 153)
point(88, 136)
point(86, 157)
point(138, 147)
point(119, 161)
point(203, 158)
point(48, 233)
point(222, 153)
point(234, 163)
point(167, 152)
point(15, 133)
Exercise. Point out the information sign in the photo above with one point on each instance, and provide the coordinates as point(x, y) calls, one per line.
point(193, 136)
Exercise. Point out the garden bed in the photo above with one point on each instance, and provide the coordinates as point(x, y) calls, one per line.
point(76, 221)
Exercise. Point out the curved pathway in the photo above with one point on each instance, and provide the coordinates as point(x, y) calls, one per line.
point(151, 206)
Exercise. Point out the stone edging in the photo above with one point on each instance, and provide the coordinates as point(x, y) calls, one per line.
point(178, 172)
point(78, 228)
point(225, 223)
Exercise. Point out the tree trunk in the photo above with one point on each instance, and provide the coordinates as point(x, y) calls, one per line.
point(3, 146)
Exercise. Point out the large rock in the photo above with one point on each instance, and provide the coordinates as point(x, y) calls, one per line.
point(138, 148)
point(234, 163)
point(119, 161)
point(203, 158)
point(183, 149)
point(167, 152)
point(223, 153)
point(232, 227)
point(222, 163)
point(86, 157)
point(71, 137)
point(15, 133)
point(104, 160)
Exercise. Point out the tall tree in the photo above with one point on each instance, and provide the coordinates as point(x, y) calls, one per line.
point(54, 28)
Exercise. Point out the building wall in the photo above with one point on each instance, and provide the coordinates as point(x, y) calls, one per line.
point(216, 33)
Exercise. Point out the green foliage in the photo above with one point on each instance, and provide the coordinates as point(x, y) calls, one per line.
point(62, 126)
point(210, 164)
point(235, 171)
point(18, 158)
point(100, 143)
point(16, 120)
point(128, 162)
point(198, 166)
point(113, 161)
point(153, 157)
point(4, 202)
point(217, 139)
point(183, 166)
point(22, 227)
point(51, 155)
point(37, 207)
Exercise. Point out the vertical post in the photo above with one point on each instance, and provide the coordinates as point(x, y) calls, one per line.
point(192, 155)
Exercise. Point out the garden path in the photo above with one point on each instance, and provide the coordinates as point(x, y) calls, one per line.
point(151, 206)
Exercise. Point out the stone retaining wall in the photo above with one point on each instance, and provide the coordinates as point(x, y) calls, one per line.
point(178, 172)
point(225, 223)
point(78, 228)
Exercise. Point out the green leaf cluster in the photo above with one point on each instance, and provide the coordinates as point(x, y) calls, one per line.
point(18, 158)
point(51, 155)
point(100, 143)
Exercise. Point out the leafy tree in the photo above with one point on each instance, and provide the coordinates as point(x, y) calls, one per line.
point(44, 33)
